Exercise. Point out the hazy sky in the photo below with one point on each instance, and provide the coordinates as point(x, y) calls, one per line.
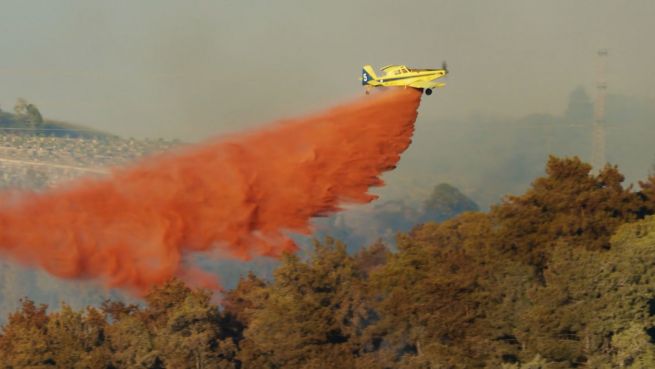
point(193, 69)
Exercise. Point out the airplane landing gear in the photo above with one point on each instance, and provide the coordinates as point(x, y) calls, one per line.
point(428, 91)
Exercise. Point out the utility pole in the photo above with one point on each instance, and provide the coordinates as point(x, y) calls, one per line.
point(598, 159)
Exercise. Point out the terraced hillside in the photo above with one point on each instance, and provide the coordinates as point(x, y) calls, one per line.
point(38, 160)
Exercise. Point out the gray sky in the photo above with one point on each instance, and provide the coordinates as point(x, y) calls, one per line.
point(193, 69)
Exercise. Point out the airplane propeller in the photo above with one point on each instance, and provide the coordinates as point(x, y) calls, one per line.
point(444, 66)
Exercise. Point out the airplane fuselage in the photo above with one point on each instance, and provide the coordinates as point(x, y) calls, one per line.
point(407, 79)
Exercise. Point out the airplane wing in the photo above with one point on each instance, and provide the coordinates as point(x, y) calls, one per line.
point(427, 84)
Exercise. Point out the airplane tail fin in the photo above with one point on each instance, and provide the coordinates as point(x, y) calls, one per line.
point(368, 74)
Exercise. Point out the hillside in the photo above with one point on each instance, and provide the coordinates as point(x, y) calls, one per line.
point(28, 120)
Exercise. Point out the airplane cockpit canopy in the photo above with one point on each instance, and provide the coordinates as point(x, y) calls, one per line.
point(395, 69)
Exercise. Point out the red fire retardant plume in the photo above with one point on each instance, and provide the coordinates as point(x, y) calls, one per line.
point(237, 197)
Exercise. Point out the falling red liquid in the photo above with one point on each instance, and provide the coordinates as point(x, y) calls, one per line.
point(238, 196)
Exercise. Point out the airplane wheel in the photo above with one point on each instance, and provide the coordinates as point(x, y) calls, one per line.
point(428, 91)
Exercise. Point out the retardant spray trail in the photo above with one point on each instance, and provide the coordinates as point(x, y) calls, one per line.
point(237, 196)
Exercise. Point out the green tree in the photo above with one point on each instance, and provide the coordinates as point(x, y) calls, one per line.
point(250, 294)
point(184, 330)
point(28, 113)
point(634, 348)
point(24, 340)
point(448, 296)
point(77, 340)
point(239, 304)
point(192, 336)
point(596, 306)
point(314, 313)
point(132, 344)
point(569, 204)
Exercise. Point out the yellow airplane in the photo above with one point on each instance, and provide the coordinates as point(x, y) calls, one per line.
point(400, 75)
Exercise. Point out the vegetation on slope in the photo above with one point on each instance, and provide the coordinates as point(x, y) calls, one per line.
point(559, 277)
